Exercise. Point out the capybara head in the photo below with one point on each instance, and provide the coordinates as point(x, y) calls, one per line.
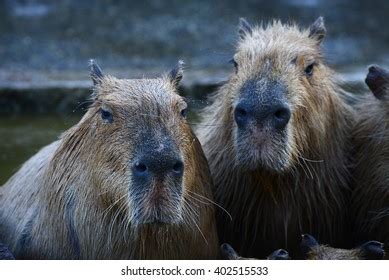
point(141, 145)
point(228, 253)
point(280, 101)
point(312, 250)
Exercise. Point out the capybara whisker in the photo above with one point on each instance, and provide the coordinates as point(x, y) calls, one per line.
point(212, 202)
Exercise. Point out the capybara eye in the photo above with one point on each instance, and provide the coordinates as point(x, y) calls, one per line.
point(106, 115)
point(233, 62)
point(309, 70)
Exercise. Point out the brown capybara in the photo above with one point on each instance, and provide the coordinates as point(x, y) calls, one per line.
point(277, 139)
point(129, 181)
point(370, 200)
point(228, 253)
point(312, 250)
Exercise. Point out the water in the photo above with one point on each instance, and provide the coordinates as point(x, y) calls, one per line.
point(22, 136)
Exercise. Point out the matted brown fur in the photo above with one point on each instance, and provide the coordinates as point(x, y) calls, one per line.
point(72, 199)
point(307, 189)
point(371, 176)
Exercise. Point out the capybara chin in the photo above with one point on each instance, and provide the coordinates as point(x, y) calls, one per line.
point(370, 200)
point(129, 181)
point(313, 250)
point(277, 141)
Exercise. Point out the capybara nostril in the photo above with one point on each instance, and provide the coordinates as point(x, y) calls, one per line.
point(281, 116)
point(140, 168)
point(178, 167)
point(241, 115)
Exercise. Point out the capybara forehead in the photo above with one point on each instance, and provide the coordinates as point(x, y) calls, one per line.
point(137, 94)
point(277, 42)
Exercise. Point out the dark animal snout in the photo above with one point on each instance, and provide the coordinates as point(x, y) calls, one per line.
point(262, 105)
point(278, 115)
point(159, 164)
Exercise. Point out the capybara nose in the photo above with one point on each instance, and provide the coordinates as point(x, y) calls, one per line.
point(278, 115)
point(149, 166)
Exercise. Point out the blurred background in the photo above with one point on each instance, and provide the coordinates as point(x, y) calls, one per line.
point(45, 47)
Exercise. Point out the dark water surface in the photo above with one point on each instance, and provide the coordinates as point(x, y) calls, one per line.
point(22, 136)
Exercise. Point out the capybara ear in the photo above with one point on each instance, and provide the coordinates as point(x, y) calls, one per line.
point(244, 28)
point(372, 250)
point(176, 74)
point(95, 72)
point(228, 253)
point(317, 30)
point(378, 81)
point(279, 254)
point(308, 242)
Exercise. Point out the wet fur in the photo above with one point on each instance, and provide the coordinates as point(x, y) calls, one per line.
point(66, 201)
point(271, 210)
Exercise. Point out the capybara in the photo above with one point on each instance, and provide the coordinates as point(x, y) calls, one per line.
point(129, 181)
point(5, 254)
point(228, 253)
point(370, 200)
point(312, 250)
point(277, 139)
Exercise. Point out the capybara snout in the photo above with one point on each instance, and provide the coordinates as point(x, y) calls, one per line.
point(157, 180)
point(149, 159)
point(271, 110)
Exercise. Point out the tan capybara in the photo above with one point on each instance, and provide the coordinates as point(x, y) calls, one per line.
point(277, 141)
point(313, 250)
point(371, 176)
point(228, 253)
point(129, 181)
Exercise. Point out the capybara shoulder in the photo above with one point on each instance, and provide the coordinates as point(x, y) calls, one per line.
point(277, 138)
point(129, 181)
point(370, 199)
point(312, 250)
